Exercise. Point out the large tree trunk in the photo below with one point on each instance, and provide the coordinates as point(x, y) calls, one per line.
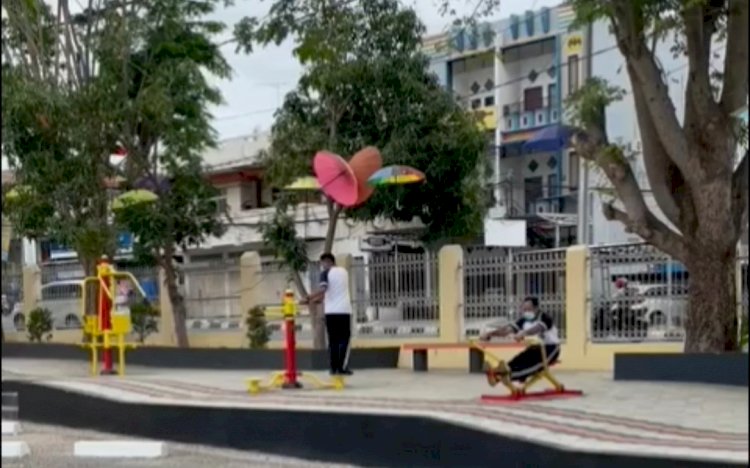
point(179, 309)
point(712, 313)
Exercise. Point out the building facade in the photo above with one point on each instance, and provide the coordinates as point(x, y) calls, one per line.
point(518, 72)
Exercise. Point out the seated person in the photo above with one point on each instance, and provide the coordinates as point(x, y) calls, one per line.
point(528, 362)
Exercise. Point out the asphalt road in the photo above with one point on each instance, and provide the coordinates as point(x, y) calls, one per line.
point(52, 447)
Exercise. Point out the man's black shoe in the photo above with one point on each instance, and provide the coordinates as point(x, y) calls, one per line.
point(346, 372)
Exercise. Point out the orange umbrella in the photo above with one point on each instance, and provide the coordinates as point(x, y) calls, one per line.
point(364, 164)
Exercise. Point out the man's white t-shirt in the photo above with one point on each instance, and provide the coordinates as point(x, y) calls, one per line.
point(336, 283)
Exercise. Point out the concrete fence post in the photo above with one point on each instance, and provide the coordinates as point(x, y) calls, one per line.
point(451, 293)
point(577, 279)
point(250, 278)
point(166, 335)
point(31, 286)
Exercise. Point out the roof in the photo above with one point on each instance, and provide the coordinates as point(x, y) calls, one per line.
point(241, 151)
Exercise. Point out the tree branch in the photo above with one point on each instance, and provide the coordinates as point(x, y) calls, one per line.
point(700, 25)
point(734, 92)
point(740, 193)
point(654, 232)
point(644, 72)
point(638, 218)
point(664, 178)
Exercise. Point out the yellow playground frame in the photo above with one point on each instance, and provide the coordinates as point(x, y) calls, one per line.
point(290, 377)
point(522, 391)
point(120, 323)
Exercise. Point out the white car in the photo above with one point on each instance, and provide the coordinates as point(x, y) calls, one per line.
point(661, 306)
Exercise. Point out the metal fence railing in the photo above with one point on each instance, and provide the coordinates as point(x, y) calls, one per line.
point(637, 293)
point(498, 280)
point(212, 290)
point(396, 294)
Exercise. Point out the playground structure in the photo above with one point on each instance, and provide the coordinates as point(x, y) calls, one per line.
point(290, 378)
point(522, 391)
point(110, 324)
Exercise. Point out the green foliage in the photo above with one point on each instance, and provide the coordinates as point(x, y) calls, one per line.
point(366, 83)
point(280, 234)
point(143, 317)
point(257, 328)
point(39, 325)
point(145, 82)
point(587, 105)
point(744, 326)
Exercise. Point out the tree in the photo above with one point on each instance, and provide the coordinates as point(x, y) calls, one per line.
point(60, 167)
point(366, 83)
point(129, 75)
point(165, 129)
point(693, 172)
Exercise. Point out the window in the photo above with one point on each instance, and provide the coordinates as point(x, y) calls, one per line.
point(221, 201)
point(250, 195)
point(476, 103)
point(573, 74)
point(509, 124)
point(552, 93)
point(540, 118)
point(489, 101)
point(61, 292)
point(573, 170)
point(533, 98)
point(551, 185)
point(524, 121)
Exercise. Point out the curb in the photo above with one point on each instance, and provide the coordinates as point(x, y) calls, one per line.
point(11, 428)
point(119, 449)
point(15, 449)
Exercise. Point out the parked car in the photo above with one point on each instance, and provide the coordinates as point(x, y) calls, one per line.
point(63, 300)
point(662, 306)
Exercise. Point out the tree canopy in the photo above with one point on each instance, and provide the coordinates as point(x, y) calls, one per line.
point(366, 82)
point(130, 76)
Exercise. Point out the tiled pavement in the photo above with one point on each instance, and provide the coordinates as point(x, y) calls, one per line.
point(688, 421)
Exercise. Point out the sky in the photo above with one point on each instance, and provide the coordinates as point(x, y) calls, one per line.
point(261, 79)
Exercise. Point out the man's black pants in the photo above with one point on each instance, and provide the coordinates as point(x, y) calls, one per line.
point(339, 328)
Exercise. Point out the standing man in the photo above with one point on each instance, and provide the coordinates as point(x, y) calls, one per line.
point(337, 305)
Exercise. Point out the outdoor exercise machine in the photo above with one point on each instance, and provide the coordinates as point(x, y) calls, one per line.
point(522, 391)
point(110, 324)
point(290, 378)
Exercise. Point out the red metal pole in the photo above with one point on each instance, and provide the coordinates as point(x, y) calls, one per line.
point(290, 351)
point(105, 319)
point(290, 355)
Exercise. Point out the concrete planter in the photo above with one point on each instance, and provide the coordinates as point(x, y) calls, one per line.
point(210, 358)
point(721, 369)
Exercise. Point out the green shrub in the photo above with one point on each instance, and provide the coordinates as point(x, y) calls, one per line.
point(39, 325)
point(744, 333)
point(143, 318)
point(257, 328)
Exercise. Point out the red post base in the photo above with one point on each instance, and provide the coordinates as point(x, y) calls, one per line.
point(107, 368)
point(290, 357)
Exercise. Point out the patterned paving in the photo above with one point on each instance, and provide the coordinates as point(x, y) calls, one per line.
point(705, 422)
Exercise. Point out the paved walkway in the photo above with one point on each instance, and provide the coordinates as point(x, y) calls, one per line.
point(675, 420)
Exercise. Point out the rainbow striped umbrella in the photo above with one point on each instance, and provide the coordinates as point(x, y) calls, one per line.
point(396, 175)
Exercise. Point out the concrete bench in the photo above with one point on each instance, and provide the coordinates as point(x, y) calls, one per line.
point(476, 359)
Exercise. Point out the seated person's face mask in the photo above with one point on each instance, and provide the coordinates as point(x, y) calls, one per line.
point(528, 314)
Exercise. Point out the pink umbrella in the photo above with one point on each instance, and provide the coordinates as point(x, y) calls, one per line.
point(336, 178)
